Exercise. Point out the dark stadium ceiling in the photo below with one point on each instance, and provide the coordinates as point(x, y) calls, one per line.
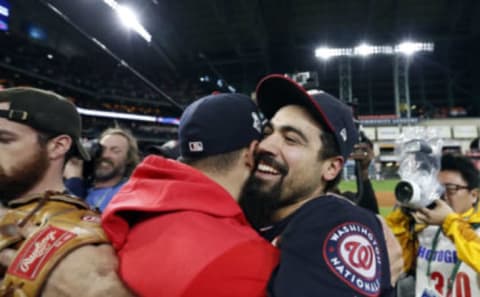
point(243, 40)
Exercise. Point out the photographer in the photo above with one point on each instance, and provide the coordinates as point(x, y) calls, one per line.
point(111, 168)
point(441, 245)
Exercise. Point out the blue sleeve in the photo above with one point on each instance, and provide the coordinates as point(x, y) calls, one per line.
point(332, 248)
point(76, 186)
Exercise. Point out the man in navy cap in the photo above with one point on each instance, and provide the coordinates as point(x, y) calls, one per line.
point(178, 229)
point(328, 246)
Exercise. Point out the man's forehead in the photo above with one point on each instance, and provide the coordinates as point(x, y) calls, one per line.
point(114, 140)
point(450, 176)
point(14, 127)
point(295, 115)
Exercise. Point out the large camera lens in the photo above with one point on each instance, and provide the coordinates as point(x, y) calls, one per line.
point(404, 192)
point(94, 149)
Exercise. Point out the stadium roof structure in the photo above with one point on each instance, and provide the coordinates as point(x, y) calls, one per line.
point(241, 41)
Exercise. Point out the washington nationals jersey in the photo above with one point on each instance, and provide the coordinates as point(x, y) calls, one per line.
point(332, 248)
point(443, 267)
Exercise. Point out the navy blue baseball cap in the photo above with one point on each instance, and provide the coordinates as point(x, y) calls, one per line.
point(218, 124)
point(275, 91)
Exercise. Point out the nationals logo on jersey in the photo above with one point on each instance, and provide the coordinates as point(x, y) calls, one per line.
point(351, 252)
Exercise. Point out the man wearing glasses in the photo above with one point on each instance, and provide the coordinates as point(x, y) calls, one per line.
point(441, 246)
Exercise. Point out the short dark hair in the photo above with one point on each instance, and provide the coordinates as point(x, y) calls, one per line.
point(219, 163)
point(462, 165)
point(330, 149)
point(475, 144)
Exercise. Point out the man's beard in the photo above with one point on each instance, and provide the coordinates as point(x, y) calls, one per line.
point(102, 175)
point(258, 201)
point(260, 204)
point(24, 176)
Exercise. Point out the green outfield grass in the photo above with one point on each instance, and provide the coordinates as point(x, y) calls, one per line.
point(384, 211)
point(379, 186)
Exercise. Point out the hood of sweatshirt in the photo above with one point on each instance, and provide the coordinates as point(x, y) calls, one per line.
point(160, 185)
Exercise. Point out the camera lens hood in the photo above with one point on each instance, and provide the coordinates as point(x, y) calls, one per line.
point(408, 193)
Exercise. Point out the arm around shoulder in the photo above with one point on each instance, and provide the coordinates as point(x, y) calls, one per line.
point(91, 270)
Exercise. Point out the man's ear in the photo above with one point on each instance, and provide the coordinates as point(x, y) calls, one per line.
point(58, 146)
point(250, 154)
point(332, 168)
point(474, 194)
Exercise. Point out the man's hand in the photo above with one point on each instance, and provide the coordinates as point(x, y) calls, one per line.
point(89, 271)
point(434, 216)
point(73, 168)
point(363, 153)
point(7, 255)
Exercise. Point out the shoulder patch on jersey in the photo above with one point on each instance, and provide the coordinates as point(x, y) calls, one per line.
point(352, 253)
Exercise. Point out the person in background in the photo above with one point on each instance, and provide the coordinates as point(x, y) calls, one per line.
point(328, 246)
point(182, 219)
point(441, 246)
point(474, 152)
point(363, 155)
point(118, 157)
point(366, 198)
point(475, 145)
point(51, 244)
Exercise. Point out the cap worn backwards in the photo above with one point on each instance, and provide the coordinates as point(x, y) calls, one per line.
point(275, 91)
point(44, 111)
point(218, 124)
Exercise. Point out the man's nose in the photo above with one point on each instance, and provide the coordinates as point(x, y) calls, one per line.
point(270, 144)
point(106, 153)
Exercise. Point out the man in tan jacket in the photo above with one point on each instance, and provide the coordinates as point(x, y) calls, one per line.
point(51, 243)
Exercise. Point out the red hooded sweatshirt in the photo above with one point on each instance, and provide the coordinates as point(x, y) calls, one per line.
point(179, 234)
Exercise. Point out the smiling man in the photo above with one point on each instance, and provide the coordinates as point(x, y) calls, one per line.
point(329, 247)
point(118, 159)
point(182, 222)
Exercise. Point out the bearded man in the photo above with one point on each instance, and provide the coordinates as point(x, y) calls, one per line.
point(118, 157)
point(51, 244)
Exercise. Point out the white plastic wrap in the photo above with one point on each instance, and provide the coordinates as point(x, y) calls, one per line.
point(419, 152)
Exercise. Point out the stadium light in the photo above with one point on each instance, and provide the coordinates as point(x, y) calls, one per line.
point(409, 48)
point(129, 19)
point(326, 53)
point(364, 50)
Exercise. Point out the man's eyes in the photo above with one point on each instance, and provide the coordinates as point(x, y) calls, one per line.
point(291, 139)
point(6, 139)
